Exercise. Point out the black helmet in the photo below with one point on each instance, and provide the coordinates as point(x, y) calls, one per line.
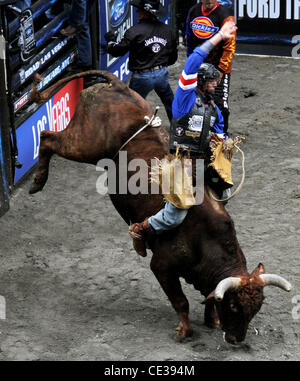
point(207, 71)
point(152, 6)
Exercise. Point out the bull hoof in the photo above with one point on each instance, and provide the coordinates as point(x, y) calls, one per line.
point(36, 187)
point(183, 332)
point(139, 244)
point(213, 324)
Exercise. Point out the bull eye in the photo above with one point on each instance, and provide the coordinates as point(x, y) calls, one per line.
point(233, 307)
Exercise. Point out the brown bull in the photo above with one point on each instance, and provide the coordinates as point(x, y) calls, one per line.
point(204, 250)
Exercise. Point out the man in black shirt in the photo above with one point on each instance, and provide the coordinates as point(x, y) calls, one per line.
point(152, 48)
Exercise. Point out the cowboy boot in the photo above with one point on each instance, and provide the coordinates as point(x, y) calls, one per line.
point(71, 30)
point(137, 232)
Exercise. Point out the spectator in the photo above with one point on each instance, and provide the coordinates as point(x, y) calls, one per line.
point(22, 4)
point(181, 12)
point(204, 20)
point(152, 48)
point(79, 26)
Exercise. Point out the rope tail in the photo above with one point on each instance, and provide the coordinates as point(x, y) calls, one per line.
point(37, 96)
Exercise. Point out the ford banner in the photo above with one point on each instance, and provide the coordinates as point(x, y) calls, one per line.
point(115, 16)
point(272, 23)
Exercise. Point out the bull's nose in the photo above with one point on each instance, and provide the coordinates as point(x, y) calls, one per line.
point(231, 339)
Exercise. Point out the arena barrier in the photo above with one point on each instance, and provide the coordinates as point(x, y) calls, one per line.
point(268, 27)
point(32, 47)
point(4, 195)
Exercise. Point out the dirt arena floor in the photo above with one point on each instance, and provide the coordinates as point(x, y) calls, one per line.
point(76, 290)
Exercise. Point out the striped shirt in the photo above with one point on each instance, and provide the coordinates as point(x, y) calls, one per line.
point(185, 96)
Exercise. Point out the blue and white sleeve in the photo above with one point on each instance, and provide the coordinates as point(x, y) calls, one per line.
point(185, 95)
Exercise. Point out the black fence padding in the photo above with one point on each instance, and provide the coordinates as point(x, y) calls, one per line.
point(38, 8)
point(50, 74)
point(40, 61)
point(52, 55)
point(42, 37)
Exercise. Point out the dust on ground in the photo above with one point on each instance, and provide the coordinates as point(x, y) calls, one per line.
point(76, 290)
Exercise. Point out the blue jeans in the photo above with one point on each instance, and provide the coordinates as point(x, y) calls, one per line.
point(79, 14)
point(84, 47)
point(22, 4)
point(167, 218)
point(158, 81)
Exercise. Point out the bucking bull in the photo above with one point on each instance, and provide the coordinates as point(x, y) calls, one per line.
point(203, 250)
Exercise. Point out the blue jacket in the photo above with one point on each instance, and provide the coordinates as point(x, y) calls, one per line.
point(185, 96)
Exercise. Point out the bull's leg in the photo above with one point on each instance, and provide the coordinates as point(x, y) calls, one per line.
point(211, 318)
point(46, 151)
point(171, 285)
point(69, 143)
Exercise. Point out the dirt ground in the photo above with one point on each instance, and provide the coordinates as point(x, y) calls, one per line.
point(76, 290)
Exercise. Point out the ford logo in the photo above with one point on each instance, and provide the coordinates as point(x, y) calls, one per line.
point(227, 3)
point(118, 12)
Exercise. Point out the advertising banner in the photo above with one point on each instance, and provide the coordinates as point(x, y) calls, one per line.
point(54, 115)
point(268, 16)
point(275, 23)
point(49, 74)
point(115, 16)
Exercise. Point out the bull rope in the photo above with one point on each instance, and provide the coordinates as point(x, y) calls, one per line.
point(153, 121)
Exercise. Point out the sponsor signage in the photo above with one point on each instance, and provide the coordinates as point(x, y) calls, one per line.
point(203, 27)
point(268, 16)
point(118, 12)
point(38, 63)
point(227, 3)
point(26, 37)
point(272, 23)
point(48, 76)
point(269, 9)
point(54, 115)
point(116, 16)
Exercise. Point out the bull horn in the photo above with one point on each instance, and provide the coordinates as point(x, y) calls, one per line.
point(275, 280)
point(224, 285)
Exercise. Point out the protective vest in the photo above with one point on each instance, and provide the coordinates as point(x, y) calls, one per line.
point(191, 131)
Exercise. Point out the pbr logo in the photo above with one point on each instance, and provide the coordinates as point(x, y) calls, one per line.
point(227, 3)
point(203, 27)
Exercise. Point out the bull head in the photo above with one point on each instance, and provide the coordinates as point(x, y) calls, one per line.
point(238, 299)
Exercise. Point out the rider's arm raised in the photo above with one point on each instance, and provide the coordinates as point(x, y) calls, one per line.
point(185, 95)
